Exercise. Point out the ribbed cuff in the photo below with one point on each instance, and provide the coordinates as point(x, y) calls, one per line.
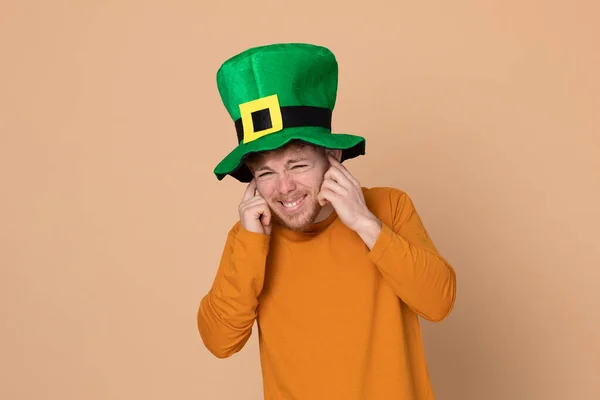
point(381, 244)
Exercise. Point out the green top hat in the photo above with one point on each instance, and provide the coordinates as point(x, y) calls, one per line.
point(278, 93)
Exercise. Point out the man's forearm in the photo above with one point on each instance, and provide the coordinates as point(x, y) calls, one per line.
point(227, 313)
point(418, 275)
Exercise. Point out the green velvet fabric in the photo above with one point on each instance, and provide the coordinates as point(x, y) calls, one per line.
point(300, 75)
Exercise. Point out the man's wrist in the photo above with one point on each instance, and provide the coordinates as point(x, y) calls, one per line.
point(369, 230)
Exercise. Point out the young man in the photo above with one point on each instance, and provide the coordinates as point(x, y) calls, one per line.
point(335, 274)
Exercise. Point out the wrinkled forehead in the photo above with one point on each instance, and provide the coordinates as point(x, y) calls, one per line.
point(283, 155)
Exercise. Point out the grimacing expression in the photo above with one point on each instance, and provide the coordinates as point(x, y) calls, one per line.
point(290, 179)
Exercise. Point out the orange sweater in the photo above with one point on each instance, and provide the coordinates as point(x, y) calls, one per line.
point(335, 320)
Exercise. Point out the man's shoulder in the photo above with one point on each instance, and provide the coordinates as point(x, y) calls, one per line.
point(235, 228)
point(386, 194)
point(387, 203)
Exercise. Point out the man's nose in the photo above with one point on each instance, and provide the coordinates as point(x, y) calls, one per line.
point(286, 183)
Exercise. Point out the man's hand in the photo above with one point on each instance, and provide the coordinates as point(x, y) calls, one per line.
point(255, 214)
point(344, 192)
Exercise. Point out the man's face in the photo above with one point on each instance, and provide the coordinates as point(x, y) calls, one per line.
point(289, 180)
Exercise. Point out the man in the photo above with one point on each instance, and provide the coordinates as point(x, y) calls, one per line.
point(336, 275)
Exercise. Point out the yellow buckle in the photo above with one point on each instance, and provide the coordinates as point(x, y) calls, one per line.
point(270, 103)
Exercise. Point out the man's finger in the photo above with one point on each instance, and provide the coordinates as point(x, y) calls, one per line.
point(335, 174)
point(255, 203)
point(334, 162)
point(326, 196)
point(334, 186)
point(321, 199)
point(250, 190)
point(251, 202)
point(266, 222)
point(265, 219)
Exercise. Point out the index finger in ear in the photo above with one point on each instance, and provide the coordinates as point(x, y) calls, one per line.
point(335, 162)
point(339, 165)
point(336, 174)
point(250, 190)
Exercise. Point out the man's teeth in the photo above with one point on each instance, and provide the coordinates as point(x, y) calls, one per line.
point(291, 204)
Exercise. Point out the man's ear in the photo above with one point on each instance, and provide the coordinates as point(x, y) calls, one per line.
point(249, 165)
point(336, 153)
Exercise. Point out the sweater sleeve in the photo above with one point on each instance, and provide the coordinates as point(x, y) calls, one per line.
point(228, 311)
point(410, 263)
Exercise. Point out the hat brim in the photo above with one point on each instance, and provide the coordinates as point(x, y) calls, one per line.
point(233, 164)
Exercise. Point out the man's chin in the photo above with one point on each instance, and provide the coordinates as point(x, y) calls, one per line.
point(298, 222)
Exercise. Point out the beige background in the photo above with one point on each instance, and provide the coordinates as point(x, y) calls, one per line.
point(485, 112)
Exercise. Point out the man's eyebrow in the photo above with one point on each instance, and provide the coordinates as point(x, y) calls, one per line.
point(297, 160)
point(263, 168)
point(291, 161)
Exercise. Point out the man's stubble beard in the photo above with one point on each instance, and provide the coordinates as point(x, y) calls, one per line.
point(298, 222)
